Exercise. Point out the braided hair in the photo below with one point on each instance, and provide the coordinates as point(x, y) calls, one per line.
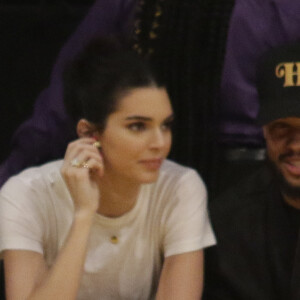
point(185, 41)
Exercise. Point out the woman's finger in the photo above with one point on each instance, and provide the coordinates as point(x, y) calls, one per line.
point(95, 166)
point(79, 145)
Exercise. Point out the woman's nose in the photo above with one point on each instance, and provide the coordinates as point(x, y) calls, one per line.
point(159, 139)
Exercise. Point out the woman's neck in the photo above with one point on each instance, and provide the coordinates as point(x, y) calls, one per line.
point(117, 197)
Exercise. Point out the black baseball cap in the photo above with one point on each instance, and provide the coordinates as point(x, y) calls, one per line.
point(278, 83)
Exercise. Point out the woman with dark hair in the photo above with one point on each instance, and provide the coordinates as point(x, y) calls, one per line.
point(115, 219)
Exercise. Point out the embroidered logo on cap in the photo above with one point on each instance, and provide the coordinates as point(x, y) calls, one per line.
point(290, 71)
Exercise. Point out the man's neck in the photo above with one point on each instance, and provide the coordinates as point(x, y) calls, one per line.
point(294, 202)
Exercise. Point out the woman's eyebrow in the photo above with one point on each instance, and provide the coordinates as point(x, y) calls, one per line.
point(139, 118)
point(170, 118)
point(143, 118)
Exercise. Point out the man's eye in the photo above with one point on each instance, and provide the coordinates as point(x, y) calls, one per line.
point(140, 126)
point(280, 126)
point(279, 130)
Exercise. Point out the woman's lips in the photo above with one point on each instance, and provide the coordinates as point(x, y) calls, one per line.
point(152, 164)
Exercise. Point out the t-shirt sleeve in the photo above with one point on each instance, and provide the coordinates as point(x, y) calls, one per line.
point(21, 218)
point(187, 226)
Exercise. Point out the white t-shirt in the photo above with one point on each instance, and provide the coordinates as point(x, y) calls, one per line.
point(169, 217)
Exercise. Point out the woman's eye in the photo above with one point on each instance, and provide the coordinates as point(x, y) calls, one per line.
point(167, 125)
point(140, 126)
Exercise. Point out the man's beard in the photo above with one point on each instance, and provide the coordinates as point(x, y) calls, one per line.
point(291, 191)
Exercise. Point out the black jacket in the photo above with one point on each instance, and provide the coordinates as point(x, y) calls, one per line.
point(257, 256)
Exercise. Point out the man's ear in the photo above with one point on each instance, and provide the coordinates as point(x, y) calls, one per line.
point(265, 131)
point(85, 128)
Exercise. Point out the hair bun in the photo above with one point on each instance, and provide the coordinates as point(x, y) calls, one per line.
point(96, 79)
point(107, 46)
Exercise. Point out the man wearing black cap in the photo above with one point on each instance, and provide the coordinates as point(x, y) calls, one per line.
point(257, 222)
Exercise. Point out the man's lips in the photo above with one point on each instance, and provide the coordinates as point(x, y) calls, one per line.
point(152, 164)
point(292, 169)
point(292, 164)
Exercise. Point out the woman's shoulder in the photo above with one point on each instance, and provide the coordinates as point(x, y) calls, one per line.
point(179, 177)
point(175, 171)
point(38, 190)
point(34, 177)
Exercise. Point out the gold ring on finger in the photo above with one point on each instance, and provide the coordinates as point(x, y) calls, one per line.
point(85, 165)
point(75, 163)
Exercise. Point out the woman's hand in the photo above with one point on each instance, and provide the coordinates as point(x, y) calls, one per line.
point(82, 170)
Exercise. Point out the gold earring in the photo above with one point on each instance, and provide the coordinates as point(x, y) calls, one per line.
point(97, 144)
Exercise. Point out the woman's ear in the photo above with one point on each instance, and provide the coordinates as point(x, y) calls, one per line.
point(85, 128)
